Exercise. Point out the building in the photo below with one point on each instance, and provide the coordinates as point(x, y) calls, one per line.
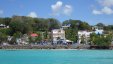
point(65, 26)
point(3, 26)
point(33, 35)
point(83, 35)
point(58, 35)
point(98, 30)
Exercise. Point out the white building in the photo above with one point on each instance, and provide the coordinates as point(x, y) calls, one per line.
point(86, 34)
point(65, 26)
point(98, 30)
point(83, 35)
point(3, 26)
point(58, 34)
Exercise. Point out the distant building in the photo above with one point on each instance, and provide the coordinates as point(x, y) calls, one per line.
point(3, 26)
point(65, 26)
point(57, 35)
point(34, 35)
point(83, 35)
point(98, 30)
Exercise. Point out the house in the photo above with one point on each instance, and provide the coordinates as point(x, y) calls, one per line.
point(58, 35)
point(3, 26)
point(65, 26)
point(83, 35)
point(33, 35)
point(98, 30)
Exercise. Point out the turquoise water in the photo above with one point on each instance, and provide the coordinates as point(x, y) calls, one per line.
point(56, 56)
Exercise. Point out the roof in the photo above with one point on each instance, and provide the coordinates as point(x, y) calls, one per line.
point(58, 30)
point(34, 35)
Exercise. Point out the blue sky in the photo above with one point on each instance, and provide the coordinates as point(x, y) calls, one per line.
point(91, 11)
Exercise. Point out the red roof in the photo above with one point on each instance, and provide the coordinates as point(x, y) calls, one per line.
point(34, 35)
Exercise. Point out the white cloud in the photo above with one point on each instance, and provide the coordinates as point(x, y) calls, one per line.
point(106, 7)
point(108, 3)
point(68, 9)
point(32, 14)
point(56, 7)
point(1, 12)
point(60, 8)
point(105, 10)
point(96, 12)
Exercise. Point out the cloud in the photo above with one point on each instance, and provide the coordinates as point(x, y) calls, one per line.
point(97, 12)
point(60, 8)
point(56, 7)
point(106, 7)
point(32, 14)
point(107, 3)
point(105, 10)
point(68, 10)
point(1, 12)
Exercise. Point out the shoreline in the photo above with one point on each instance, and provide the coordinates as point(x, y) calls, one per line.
point(52, 47)
point(56, 49)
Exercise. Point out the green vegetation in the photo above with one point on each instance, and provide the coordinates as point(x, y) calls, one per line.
point(3, 38)
point(20, 25)
point(75, 26)
point(101, 40)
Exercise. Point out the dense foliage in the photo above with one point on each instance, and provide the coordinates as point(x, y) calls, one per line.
point(101, 40)
point(19, 25)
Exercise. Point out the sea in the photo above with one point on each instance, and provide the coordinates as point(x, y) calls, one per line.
point(56, 56)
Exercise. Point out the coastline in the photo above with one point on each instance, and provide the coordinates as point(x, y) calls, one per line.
point(51, 47)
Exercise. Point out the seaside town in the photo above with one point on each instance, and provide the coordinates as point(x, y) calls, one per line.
point(56, 31)
point(21, 32)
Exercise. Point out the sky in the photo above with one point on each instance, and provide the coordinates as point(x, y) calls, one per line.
point(91, 11)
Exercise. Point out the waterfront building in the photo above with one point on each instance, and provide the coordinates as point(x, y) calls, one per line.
point(97, 30)
point(83, 36)
point(58, 35)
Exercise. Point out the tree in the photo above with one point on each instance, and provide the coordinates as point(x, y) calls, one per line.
point(101, 40)
point(71, 34)
point(40, 24)
point(53, 24)
point(100, 25)
point(21, 24)
point(6, 31)
point(74, 24)
point(77, 24)
point(6, 21)
point(84, 26)
point(3, 38)
point(17, 35)
point(16, 26)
